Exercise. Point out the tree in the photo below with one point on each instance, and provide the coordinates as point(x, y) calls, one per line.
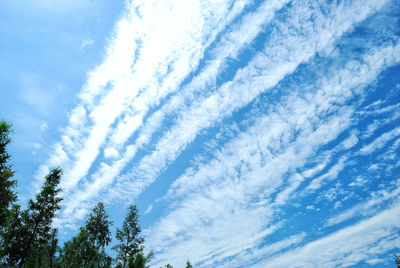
point(52, 248)
point(98, 228)
point(28, 232)
point(79, 251)
point(87, 248)
point(44, 254)
point(188, 264)
point(7, 195)
point(397, 261)
point(137, 261)
point(13, 237)
point(130, 241)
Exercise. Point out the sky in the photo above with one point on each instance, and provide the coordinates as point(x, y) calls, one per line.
point(248, 133)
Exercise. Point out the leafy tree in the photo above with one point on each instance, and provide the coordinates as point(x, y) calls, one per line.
point(130, 241)
point(29, 232)
point(79, 251)
point(7, 195)
point(188, 264)
point(87, 248)
point(98, 228)
point(44, 254)
point(137, 261)
point(52, 247)
point(13, 237)
point(168, 266)
point(397, 261)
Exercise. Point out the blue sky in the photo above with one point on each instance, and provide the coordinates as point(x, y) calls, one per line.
point(249, 133)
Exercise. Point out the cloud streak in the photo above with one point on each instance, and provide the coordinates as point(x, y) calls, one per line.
point(235, 179)
point(261, 74)
point(269, 112)
point(346, 247)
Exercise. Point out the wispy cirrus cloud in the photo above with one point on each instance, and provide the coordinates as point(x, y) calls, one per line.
point(109, 94)
point(131, 122)
point(264, 71)
point(368, 207)
point(267, 104)
point(380, 142)
point(249, 164)
point(348, 246)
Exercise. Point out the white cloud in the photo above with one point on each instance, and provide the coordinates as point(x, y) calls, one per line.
point(265, 70)
point(312, 171)
point(350, 141)
point(113, 85)
point(37, 145)
point(223, 210)
point(149, 209)
point(87, 43)
point(331, 174)
point(44, 126)
point(346, 247)
point(380, 142)
point(220, 178)
point(358, 182)
point(111, 152)
point(132, 120)
point(366, 208)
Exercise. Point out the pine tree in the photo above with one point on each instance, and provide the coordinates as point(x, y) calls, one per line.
point(130, 241)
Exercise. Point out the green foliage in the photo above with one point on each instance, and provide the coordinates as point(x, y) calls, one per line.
point(188, 264)
point(79, 252)
point(138, 261)
point(98, 227)
point(130, 242)
point(14, 237)
point(87, 248)
point(5, 140)
point(28, 232)
point(397, 261)
point(7, 195)
point(44, 254)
